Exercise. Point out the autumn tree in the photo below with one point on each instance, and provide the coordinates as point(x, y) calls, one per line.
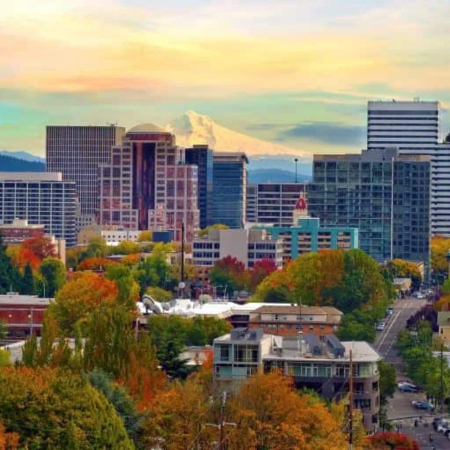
point(269, 413)
point(125, 248)
point(56, 409)
point(95, 263)
point(53, 275)
point(260, 270)
point(76, 300)
point(146, 236)
point(177, 418)
point(218, 226)
point(229, 275)
point(159, 294)
point(8, 441)
point(97, 248)
point(400, 268)
point(440, 247)
point(42, 247)
point(391, 440)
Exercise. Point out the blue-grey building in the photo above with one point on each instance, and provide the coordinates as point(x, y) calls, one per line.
point(308, 236)
point(202, 157)
point(229, 189)
point(386, 195)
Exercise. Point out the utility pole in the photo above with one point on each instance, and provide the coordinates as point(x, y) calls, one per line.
point(350, 407)
point(296, 161)
point(441, 392)
point(222, 423)
point(182, 253)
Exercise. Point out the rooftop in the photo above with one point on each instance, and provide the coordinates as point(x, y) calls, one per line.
point(147, 128)
point(31, 176)
point(14, 299)
point(289, 309)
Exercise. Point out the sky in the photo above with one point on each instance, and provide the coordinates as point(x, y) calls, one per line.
point(298, 72)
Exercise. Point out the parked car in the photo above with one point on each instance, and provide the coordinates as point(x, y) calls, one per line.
point(443, 427)
point(404, 386)
point(422, 404)
point(437, 421)
point(381, 326)
point(390, 311)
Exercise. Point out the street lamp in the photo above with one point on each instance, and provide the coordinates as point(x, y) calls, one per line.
point(441, 391)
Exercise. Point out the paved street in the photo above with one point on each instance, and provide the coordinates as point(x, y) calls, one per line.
point(400, 406)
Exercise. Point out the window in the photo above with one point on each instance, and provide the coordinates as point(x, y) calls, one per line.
point(224, 352)
point(246, 353)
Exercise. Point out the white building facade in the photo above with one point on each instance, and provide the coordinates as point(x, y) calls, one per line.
point(414, 127)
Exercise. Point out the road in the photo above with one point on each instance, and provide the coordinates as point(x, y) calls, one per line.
point(400, 410)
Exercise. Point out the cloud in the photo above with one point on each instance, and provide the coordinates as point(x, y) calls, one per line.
point(328, 132)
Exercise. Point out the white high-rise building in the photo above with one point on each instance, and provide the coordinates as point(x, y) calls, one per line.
point(414, 127)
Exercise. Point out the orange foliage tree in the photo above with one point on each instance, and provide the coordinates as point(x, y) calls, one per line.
point(81, 295)
point(95, 263)
point(269, 413)
point(42, 247)
point(392, 440)
point(8, 441)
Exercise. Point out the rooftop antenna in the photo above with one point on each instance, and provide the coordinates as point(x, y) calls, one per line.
point(112, 124)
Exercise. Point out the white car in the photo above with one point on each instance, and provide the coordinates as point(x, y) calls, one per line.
point(381, 326)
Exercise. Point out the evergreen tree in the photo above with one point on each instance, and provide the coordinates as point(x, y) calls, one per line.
point(9, 276)
point(28, 287)
point(53, 275)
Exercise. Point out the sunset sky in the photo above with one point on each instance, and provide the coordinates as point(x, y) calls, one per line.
point(294, 71)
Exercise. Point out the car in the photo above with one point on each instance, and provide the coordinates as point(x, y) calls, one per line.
point(390, 311)
point(381, 326)
point(404, 386)
point(422, 404)
point(437, 421)
point(443, 427)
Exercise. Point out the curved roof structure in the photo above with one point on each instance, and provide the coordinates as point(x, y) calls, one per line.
point(147, 128)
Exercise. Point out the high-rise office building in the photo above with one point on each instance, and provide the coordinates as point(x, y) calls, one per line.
point(229, 189)
point(40, 198)
point(147, 185)
point(273, 203)
point(383, 194)
point(411, 126)
point(202, 157)
point(77, 152)
point(415, 128)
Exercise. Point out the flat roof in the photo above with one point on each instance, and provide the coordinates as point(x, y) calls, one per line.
point(29, 300)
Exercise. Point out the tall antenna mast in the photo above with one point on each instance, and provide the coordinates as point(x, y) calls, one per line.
point(350, 408)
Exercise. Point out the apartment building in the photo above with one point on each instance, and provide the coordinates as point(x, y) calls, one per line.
point(285, 320)
point(384, 194)
point(41, 198)
point(273, 203)
point(323, 366)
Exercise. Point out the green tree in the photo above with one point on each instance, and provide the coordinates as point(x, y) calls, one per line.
point(388, 381)
point(5, 359)
point(203, 330)
point(154, 271)
point(97, 248)
point(229, 275)
point(53, 275)
point(56, 409)
point(122, 402)
point(159, 294)
point(10, 278)
point(126, 248)
point(28, 285)
point(357, 326)
point(218, 226)
point(126, 284)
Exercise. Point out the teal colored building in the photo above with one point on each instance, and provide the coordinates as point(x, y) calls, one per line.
point(308, 236)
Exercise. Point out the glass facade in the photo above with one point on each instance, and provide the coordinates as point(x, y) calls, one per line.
point(385, 195)
point(202, 157)
point(229, 189)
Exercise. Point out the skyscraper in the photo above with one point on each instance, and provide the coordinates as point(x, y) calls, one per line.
point(147, 185)
point(273, 203)
point(229, 188)
point(40, 198)
point(415, 128)
point(202, 157)
point(77, 152)
point(383, 194)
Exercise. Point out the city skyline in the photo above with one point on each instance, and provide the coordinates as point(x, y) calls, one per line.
point(297, 73)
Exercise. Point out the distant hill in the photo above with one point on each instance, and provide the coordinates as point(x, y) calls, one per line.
point(22, 155)
point(275, 176)
point(11, 164)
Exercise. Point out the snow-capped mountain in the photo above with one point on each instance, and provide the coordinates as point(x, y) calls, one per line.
point(193, 128)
